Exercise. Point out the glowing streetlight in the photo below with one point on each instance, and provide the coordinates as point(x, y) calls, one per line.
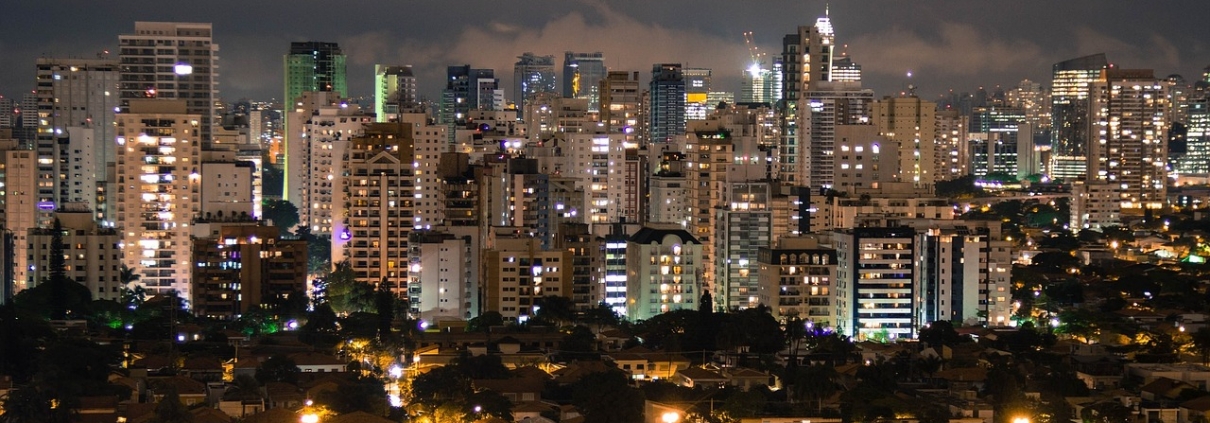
point(1021, 420)
point(309, 418)
point(671, 417)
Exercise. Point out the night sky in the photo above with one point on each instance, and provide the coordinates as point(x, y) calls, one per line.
point(953, 44)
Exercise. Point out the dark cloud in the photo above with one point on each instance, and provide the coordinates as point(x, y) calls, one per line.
point(947, 44)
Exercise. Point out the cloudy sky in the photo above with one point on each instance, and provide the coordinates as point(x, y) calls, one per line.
point(951, 44)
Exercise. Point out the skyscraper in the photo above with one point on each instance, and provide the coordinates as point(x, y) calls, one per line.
point(76, 100)
point(582, 75)
point(314, 66)
point(533, 74)
point(1069, 113)
point(667, 99)
point(697, 90)
point(1128, 129)
point(171, 60)
point(159, 149)
point(806, 58)
point(620, 102)
point(912, 123)
point(394, 86)
point(468, 89)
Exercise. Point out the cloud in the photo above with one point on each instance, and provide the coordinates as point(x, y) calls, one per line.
point(955, 50)
point(1157, 52)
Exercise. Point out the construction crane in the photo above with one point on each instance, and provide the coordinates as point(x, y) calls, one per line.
point(753, 51)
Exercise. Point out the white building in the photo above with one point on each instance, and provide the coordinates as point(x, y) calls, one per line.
point(664, 272)
point(429, 142)
point(393, 86)
point(158, 191)
point(964, 273)
point(1095, 205)
point(875, 282)
point(324, 124)
point(440, 284)
point(1128, 145)
point(76, 101)
point(862, 158)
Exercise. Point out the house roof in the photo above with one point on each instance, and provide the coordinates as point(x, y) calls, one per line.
point(699, 374)
point(746, 372)
point(965, 374)
point(311, 358)
point(183, 385)
point(512, 385)
point(532, 407)
point(358, 417)
point(151, 362)
point(275, 415)
point(1164, 386)
point(209, 415)
point(98, 403)
point(578, 369)
point(1198, 404)
point(202, 362)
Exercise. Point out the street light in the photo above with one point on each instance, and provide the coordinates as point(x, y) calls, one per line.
point(1021, 420)
point(673, 417)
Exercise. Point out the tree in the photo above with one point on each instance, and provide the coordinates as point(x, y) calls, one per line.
point(555, 310)
point(171, 410)
point(607, 397)
point(484, 322)
point(384, 306)
point(816, 383)
point(282, 213)
point(741, 405)
point(30, 405)
point(1201, 341)
point(939, 333)
point(578, 343)
point(364, 394)
point(278, 368)
point(601, 316)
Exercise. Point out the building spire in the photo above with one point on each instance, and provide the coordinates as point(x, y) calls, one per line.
point(826, 11)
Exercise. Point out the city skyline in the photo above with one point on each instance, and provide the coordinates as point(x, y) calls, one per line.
point(945, 44)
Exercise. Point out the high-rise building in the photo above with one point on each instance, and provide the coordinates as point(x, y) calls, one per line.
point(91, 253)
point(315, 66)
point(171, 60)
point(742, 227)
point(76, 101)
point(1128, 135)
point(1069, 108)
point(325, 124)
point(964, 273)
point(1196, 161)
point(845, 70)
point(519, 274)
point(620, 103)
point(875, 274)
point(798, 280)
point(533, 74)
point(440, 276)
point(826, 106)
point(158, 192)
point(468, 89)
point(806, 59)
point(910, 122)
point(1034, 101)
point(244, 266)
point(378, 191)
point(697, 90)
point(663, 268)
point(18, 209)
point(582, 75)
point(1001, 141)
point(951, 156)
point(394, 86)
point(667, 103)
point(862, 159)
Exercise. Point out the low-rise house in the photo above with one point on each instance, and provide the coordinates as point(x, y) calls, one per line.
point(1164, 389)
point(1193, 374)
point(314, 362)
point(745, 378)
point(97, 409)
point(644, 364)
point(203, 368)
point(694, 377)
point(190, 391)
point(1194, 408)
